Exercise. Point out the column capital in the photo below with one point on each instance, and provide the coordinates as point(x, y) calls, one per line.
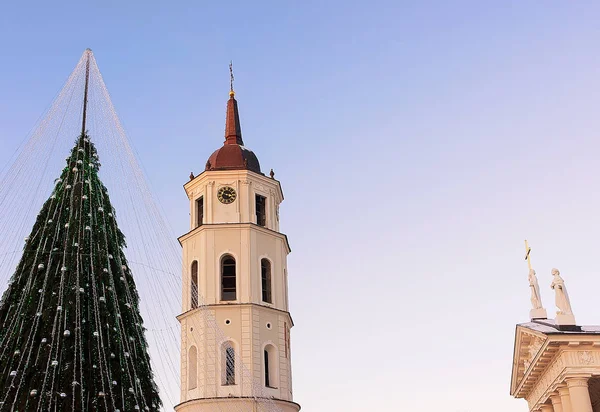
point(579, 393)
point(556, 401)
point(555, 396)
point(546, 408)
point(577, 380)
point(565, 398)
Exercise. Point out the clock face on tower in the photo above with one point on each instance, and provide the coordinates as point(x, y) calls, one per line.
point(226, 195)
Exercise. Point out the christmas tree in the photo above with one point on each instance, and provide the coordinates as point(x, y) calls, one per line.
point(71, 333)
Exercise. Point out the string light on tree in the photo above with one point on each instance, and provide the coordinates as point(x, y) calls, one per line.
point(56, 292)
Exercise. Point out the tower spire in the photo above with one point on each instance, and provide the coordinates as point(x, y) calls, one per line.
point(233, 155)
point(233, 130)
point(88, 52)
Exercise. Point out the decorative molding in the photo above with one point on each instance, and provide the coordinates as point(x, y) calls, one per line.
point(532, 351)
point(534, 347)
point(586, 357)
point(232, 183)
point(546, 381)
point(570, 367)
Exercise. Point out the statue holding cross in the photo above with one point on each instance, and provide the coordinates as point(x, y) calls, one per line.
point(537, 311)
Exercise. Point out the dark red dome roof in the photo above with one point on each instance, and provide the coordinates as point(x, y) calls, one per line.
point(233, 155)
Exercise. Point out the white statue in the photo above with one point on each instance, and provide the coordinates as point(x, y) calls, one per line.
point(537, 311)
point(536, 300)
point(562, 297)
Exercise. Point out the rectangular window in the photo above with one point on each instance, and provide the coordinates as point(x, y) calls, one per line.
point(287, 340)
point(194, 285)
point(199, 211)
point(228, 279)
point(261, 212)
point(265, 268)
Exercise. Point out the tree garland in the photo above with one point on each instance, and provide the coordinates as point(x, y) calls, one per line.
point(71, 333)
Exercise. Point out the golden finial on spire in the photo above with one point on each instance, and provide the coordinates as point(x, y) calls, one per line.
point(231, 92)
point(527, 252)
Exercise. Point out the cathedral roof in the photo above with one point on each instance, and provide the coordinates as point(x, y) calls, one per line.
point(233, 155)
point(549, 327)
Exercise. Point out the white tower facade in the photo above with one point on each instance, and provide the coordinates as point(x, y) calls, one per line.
point(235, 325)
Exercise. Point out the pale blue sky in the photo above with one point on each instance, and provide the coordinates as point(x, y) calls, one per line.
point(417, 143)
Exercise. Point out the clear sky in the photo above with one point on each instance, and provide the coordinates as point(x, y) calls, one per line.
point(418, 145)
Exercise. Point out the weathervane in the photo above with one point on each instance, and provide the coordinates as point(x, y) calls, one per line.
point(231, 78)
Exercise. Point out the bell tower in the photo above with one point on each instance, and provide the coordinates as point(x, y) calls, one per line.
point(235, 321)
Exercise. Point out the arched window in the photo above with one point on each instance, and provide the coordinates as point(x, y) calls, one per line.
point(194, 285)
point(228, 363)
point(265, 269)
point(192, 368)
point(270, 366)
point(228, 280)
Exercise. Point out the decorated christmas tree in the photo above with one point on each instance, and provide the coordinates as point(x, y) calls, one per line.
point(71, 333)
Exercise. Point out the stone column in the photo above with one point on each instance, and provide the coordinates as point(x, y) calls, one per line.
point(565, 399)
point(546, 408)
point(579, 394)
point(556, 402)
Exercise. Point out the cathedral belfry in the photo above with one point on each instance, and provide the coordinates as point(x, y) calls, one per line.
point(235, 324)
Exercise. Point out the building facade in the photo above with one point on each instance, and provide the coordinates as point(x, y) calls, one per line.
point(235, 325)
point(556, 363)
point(557, 369)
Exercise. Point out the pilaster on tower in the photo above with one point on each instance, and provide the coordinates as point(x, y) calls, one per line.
point(235, 277)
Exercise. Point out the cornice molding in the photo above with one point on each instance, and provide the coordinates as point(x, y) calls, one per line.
point(245, 175)
point(232, 399)
point(216, 226)
point(190, 312)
